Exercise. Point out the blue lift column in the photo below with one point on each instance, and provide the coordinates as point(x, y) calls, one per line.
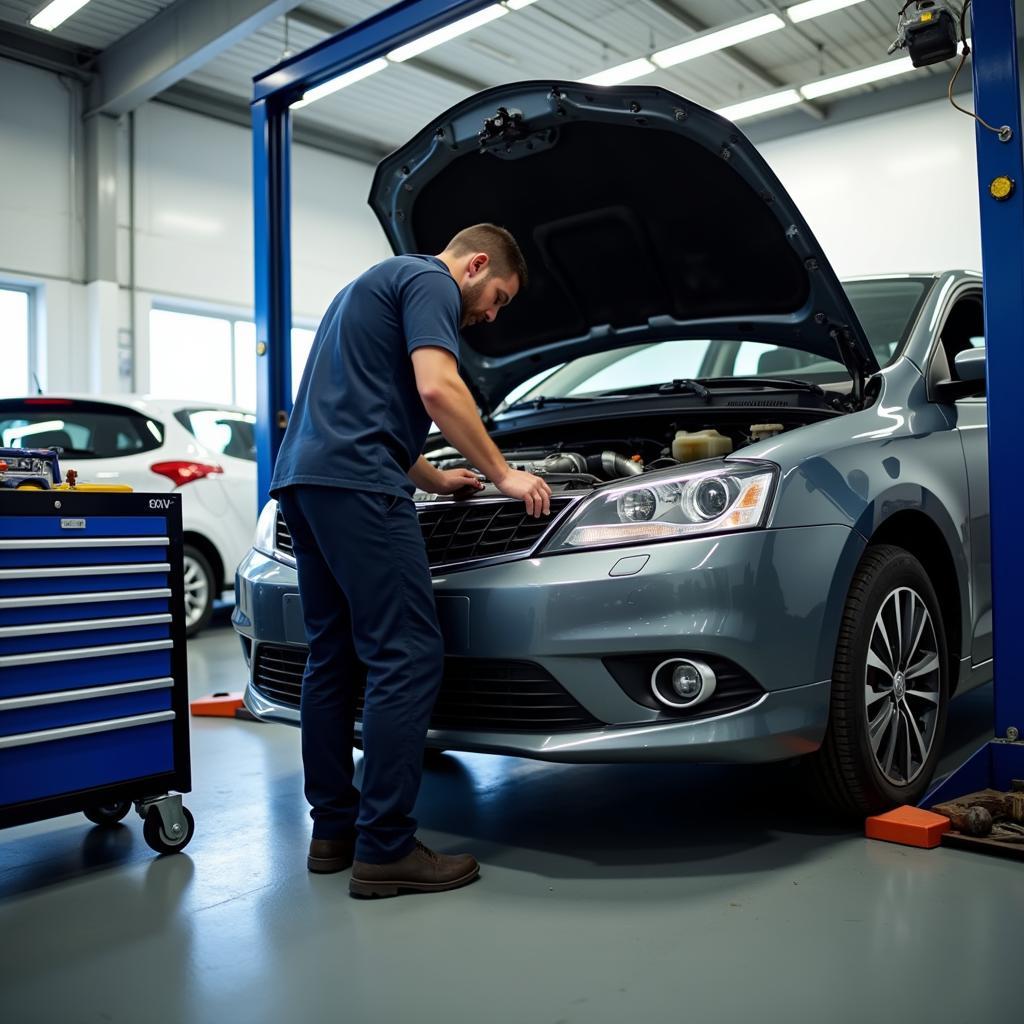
point(1000, 181)
point(273, 93)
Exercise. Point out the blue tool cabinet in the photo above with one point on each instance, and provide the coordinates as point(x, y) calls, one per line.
point(93, 674)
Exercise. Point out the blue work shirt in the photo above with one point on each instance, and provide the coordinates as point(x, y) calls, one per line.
point(358, 420)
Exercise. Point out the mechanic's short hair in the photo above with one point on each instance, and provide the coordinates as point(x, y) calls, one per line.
point(506, 256)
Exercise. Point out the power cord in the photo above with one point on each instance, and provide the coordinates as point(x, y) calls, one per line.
point(1004, 132)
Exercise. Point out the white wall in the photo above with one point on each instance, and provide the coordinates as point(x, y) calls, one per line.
point(194, 234)
point(193, 211)
point(895, 192)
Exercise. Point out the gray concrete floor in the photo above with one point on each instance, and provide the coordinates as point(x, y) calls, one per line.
point(609, 893)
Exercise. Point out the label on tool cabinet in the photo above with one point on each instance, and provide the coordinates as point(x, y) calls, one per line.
point(72, 524)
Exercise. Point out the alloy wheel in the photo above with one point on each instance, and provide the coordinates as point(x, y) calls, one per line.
point(902, 686)
point(197, 591)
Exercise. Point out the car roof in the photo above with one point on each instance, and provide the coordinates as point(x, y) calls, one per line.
point(142, 403)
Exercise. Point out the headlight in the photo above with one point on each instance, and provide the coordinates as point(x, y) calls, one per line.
point(266, 529)
point(682, 504)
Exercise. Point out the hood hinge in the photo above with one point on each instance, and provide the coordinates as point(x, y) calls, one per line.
point(850, 354)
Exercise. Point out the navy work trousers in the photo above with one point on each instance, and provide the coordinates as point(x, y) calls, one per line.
point(369, 612)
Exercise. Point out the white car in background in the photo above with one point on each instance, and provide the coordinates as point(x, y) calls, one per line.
point(205, 451)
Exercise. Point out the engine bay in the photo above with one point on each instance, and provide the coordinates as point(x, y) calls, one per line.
point(586, 455)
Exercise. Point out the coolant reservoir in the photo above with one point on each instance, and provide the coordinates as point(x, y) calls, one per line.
point(699, 444)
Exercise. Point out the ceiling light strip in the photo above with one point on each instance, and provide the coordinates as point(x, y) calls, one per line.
point(348, 78)
point(54, 14)
point(718, 39)
point(853, 79)
point(627, 72)
point(760, 105)
point(443, 35)
point(816, 8)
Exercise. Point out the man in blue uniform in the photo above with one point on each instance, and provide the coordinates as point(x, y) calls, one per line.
point(384, 363)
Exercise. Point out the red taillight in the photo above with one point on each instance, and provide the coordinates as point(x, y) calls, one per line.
point(48, 401)
point(184, 472)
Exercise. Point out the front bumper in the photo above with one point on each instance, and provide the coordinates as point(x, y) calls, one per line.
point(768, 601)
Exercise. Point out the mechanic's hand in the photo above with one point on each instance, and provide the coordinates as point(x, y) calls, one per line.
point(529, 488)
point(453, 480)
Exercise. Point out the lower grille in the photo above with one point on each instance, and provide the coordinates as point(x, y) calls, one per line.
point(476, 694)
point(283, 537)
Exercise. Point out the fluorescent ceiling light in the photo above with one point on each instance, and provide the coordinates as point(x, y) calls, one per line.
point(442, 35)
point(518, 5)
point(54, 13)
point(621, 73)
point(837, 83)
point(709, 42)
point(816, 8)
point(348, 78)
point(760, 105)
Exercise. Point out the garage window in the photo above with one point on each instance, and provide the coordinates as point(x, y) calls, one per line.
point(15, 334)
point(211, 357)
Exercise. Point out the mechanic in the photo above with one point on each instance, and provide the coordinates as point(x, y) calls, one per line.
point(384, 362)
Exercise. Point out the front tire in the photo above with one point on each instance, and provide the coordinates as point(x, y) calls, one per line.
point(199, 590)
point(890, 688)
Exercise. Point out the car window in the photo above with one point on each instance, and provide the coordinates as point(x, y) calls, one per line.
point(647, 365)
point(221, 431)
point(86, 430)
point(886, 309)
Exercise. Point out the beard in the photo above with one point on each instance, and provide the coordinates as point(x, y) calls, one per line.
point(471, 294)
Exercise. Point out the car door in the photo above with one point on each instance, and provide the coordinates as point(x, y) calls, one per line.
point(963, 328)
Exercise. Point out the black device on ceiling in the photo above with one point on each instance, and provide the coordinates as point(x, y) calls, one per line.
point(928, 32)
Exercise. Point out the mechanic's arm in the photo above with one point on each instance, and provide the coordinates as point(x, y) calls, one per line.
point(451, 406)
point(427, 477)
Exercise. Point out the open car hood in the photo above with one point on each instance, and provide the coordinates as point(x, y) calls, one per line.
point(641, 216)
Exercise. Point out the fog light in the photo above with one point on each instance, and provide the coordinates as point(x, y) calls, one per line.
point(682, 682)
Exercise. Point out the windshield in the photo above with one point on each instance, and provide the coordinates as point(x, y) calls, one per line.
point(885, 307)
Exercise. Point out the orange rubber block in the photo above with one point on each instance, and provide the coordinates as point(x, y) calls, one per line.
point(223, 705)
point(909, 826)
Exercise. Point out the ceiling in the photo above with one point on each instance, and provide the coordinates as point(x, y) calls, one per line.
point(564, 39)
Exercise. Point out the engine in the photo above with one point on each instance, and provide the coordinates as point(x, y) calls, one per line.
point(583, 463)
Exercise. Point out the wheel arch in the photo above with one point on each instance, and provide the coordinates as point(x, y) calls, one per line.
point(918, 532)
point(210, 553)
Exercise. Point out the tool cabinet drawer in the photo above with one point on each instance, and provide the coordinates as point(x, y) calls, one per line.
point(60, 708)
point(47, 672)
point(49, 762)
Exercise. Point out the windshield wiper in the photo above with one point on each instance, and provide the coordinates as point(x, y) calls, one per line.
point(541, 400)
point(767, 382)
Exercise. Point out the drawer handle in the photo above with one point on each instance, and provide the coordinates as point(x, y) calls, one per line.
point(76, 625)
point(51, 571)
point(38, 700)
point(34, 543)
point(76, 653)
point(42, 600)
point(24, 739)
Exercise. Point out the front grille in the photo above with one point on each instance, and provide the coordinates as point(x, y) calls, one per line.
point(476, 694)
point(283, 537)
point(466, 531)
point(474, 530)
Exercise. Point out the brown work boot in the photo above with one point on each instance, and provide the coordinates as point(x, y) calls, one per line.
point(329, 855)
point(423, 870)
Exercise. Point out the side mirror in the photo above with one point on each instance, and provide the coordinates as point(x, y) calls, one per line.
point(968, 380)
point(970, 364)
